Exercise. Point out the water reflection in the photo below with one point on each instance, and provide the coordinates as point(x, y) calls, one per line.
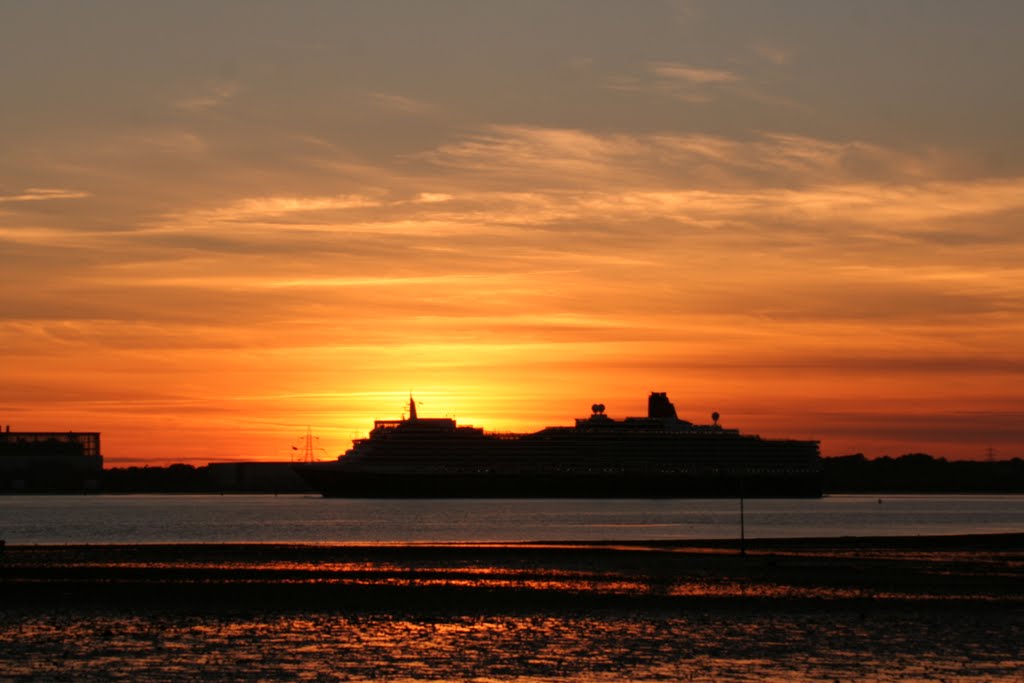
point(901, 575)
point(881, 612)
point(759, 646)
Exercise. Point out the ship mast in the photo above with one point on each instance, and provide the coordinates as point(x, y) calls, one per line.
point(412, 408)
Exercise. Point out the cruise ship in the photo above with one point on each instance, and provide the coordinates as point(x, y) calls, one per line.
point(657, 456)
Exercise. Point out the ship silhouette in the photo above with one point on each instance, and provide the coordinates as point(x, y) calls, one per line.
point(657, 456)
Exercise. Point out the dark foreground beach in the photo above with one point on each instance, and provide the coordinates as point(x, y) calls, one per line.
point(921, 608)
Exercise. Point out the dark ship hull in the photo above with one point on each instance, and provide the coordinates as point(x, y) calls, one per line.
point(337, 484)
point(658, 456)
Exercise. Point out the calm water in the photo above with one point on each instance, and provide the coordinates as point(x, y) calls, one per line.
point(311, 519)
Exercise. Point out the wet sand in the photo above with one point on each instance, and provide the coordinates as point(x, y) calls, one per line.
point(881, 609)
point(969, 572)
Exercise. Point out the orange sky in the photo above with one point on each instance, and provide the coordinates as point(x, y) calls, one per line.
point(221, 224)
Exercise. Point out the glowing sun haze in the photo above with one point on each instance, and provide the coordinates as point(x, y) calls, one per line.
point(223, 222)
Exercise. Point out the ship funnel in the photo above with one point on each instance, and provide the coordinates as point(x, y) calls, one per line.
point(659, 406)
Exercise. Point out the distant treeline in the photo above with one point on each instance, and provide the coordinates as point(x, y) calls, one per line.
point(240, 477)
point(921, 473)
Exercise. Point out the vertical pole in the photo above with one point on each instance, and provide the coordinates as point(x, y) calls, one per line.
point(743, 529)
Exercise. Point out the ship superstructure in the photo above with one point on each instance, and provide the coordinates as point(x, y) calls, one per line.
point(657, 456)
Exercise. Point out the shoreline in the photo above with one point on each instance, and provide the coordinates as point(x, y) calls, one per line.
point(983, 540)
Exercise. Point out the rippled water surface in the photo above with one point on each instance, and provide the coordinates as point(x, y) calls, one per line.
point(736, 646)
point(305, 519)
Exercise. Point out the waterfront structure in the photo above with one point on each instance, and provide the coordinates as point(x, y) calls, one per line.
point(256, 477)
point(657, 456)
point(50, 462)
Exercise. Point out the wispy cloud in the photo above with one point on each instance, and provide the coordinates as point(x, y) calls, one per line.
point(579, 63)
point(43, 194)
point(433, 197)
point(169, 141)
point(402, 103)
point(779, 56)
point(772, 191)
point(569, 156)
point(684, 82)
point(255, 208)
point(208, 97)
point(692, 74)
point(552, 153)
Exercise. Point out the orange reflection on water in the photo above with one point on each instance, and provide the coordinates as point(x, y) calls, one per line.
point(651, 576)
point(746, 646)
point(361, 574)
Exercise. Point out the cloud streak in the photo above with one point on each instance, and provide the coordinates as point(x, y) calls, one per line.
point(43, 194)
point(402, 103)
point(691, 74)
point(210, 96)
point(767, 159)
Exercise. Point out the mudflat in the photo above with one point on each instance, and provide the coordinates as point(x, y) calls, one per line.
point(964, 572)
point(880, 609)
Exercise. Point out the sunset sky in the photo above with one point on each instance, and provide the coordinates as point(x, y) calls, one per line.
point(224, 222)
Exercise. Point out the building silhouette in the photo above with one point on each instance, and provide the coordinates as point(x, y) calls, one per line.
point(50, 462)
